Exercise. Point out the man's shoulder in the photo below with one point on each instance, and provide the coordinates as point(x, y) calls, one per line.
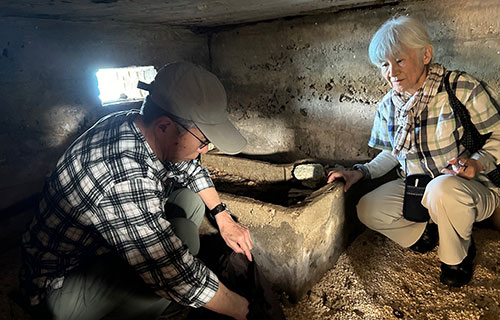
point(105, 132)
point(109, 145)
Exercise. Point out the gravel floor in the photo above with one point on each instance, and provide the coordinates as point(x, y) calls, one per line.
point(376, 279)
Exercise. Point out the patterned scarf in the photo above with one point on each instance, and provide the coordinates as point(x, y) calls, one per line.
point(407, 109)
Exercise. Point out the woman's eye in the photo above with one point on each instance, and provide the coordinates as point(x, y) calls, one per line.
point(399, 60)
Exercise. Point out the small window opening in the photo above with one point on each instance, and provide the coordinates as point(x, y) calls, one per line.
point(118, 85)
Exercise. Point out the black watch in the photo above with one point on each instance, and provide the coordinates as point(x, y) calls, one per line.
point(217, 209)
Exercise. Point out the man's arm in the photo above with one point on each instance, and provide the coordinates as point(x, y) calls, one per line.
point(236, 236)
point(228, 303)
point(131, 219)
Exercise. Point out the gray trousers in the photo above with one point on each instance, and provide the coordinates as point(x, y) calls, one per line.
point(454, 204)
point(108, 288)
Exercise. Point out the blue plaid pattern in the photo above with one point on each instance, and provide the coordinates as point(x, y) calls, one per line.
point(438, 130)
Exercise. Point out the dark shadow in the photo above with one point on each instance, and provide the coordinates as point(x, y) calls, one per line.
point(283, 193)
point(29, 203)
point(352, 197)
point(15, 220)
point(276, 158)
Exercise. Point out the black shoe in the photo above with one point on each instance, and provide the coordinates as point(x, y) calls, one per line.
point(460, 274)
point(428, 240)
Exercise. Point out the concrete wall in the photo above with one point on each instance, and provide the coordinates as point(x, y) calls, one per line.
point(304, 87)
point(49, 88)
point(300, 87)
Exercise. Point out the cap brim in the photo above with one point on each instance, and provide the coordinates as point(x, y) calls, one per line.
point(224, 136)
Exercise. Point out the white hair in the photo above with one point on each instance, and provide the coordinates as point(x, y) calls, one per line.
point(396, 34)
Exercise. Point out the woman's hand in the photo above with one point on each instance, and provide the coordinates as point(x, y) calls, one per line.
point(465, 168)
point(350, 177)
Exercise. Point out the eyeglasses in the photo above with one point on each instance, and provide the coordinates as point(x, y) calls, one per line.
point(203, 143)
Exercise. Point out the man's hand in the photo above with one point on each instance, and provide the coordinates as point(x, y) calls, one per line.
point(236, 236)
point(350, 177)
point(465, 168)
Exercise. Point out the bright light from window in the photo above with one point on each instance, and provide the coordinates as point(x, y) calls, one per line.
point(120, 84)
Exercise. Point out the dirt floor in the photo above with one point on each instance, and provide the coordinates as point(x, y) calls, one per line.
point(376, 279)
point(373, 279)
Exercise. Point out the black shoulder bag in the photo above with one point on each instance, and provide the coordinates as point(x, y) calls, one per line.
point(413, 210)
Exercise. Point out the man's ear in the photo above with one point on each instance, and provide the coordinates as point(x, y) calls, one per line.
point(163, 123)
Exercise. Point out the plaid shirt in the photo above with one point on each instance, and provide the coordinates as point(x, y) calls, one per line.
point(107, 194)
point(438, 130)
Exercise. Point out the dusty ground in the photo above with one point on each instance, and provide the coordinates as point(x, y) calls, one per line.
point(373, 279)
point(377, 279)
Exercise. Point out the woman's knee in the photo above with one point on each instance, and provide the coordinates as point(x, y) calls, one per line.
point(363, 210)
point(443, 188)
point(382, 206)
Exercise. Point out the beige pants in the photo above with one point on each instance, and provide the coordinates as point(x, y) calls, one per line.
point(454, 204)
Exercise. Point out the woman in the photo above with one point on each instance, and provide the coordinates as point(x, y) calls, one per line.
point(416, 128)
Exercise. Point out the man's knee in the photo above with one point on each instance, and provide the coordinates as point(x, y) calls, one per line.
point(187, 231)
point(184, 203)
point(93, 290)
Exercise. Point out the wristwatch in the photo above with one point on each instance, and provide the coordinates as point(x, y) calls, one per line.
point(217, 209)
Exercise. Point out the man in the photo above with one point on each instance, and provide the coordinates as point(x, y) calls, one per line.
point(117, 229)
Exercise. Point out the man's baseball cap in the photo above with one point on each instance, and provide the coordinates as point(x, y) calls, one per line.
point(192, 93)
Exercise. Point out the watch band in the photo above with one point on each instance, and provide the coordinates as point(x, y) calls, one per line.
point(364, 170)
point(217, 209)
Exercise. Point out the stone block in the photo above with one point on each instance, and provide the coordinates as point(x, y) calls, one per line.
point(294, 245)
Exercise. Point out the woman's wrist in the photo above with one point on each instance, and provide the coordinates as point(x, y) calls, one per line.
point(364, 171)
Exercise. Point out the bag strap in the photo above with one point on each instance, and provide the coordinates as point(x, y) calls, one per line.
point(472, 140)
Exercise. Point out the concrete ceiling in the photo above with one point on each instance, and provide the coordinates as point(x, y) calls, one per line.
point(203, 13)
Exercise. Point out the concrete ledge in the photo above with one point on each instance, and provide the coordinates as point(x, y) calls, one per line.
point(248, 169)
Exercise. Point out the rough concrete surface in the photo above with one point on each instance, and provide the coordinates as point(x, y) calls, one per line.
point(295, 242)
point(247, 168)
point(49, 86)
point(294, 246)
point(179, 12)
point(306, 86)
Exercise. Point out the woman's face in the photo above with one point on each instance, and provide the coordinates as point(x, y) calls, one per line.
point(407, 71)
